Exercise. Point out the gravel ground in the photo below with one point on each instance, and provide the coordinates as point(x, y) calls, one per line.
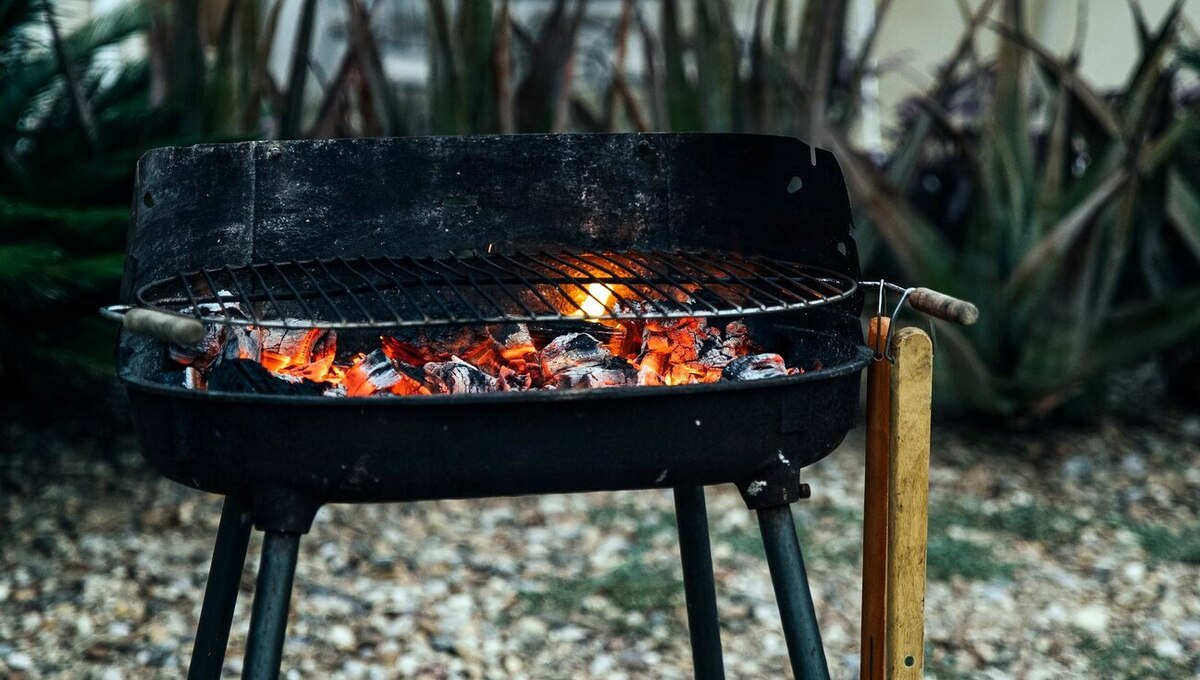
point(1070, 553)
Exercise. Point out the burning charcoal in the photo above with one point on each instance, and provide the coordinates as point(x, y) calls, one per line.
point(215, 335)
point(406, 352)
point(376, 372)
point(244, 376)
point(484, 355)
point(511, 380)
point(220, 341)
point(241, 343)
point(692, 372)
point(543, 333)
point(572, 350)
point(458, 377)
point(514, 340)
point(448, 341)
point(609, 372)
point(718, 349)
point(755, 367)
point(686, 336)
point(648, 376)
point(193, 379)
point(282, 347)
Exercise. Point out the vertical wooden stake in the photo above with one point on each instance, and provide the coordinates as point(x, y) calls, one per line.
point(875, 505)
point(908, 512)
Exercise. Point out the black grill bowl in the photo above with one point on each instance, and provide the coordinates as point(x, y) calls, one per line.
point(217, 205)
point(300, 452)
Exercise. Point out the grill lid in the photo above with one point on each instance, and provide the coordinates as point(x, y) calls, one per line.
point(485, 288)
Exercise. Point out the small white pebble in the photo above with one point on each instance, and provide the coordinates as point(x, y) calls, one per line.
point(1169, 648)
point(342, 638)
point(1092, 618)
point(19, 661)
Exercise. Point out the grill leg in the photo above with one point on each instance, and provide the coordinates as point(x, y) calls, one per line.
point(268, 621)
point(792, 593)
point(220, 593)
point(703, 624)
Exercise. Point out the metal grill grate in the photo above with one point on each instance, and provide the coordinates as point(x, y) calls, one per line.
point(391, 292)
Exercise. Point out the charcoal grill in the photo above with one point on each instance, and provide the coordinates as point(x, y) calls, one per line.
point(387, 233)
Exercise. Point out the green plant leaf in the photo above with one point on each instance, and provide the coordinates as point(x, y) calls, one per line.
point(1043, 258)
point(26, 78)
point(1138, 331)
point(1183, 207)
point(920, 250)
point(1064, 76)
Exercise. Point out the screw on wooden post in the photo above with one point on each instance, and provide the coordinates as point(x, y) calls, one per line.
point(875, 505)
point(908, 502)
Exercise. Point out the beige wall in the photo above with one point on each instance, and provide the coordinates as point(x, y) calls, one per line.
point(917, 36)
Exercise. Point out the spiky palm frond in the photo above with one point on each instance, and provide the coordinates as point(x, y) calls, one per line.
point(64, 186)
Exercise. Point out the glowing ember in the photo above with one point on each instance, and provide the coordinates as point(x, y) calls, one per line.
point(595, 353)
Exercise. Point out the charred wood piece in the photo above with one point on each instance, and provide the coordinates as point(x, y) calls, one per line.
point(244, 376)
point(378, 373)
point(572, 350)
point(458, 377)
point(610, 372)
point(216, 336)
point(755, 367)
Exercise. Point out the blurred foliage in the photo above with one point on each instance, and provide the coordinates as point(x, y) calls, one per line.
point(1078, 236)
point(1071, 216)
point(71, 129)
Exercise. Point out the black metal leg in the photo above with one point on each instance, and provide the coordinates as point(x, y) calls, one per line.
point(272, 595)
point(220, 593)
point(792, 593)
point(703, 624)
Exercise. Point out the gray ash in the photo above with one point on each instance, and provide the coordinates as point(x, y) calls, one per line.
point(458, 377)
point(755, 367)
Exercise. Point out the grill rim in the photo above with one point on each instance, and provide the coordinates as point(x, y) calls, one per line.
point(801, 276)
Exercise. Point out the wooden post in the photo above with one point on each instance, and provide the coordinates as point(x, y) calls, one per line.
point(908, 512)
point(875, 505)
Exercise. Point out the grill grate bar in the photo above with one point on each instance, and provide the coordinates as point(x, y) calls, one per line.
point(380, 292)
point(217, 296)
point(671, 265)
point(237, 288)
point(558, 288)
point(402, 288)
point(663, 295)
point(316, 283)
point(465, 271)
point(749, 286)
point(357, 300)
point(308, 311)
point(591, 279)
point(687, 294)
point(507, 290)
point(254, 269)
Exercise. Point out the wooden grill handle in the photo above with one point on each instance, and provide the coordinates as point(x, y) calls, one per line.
point(163, 326)
point(943, 306)
point(908, 504)
point(875, 505)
